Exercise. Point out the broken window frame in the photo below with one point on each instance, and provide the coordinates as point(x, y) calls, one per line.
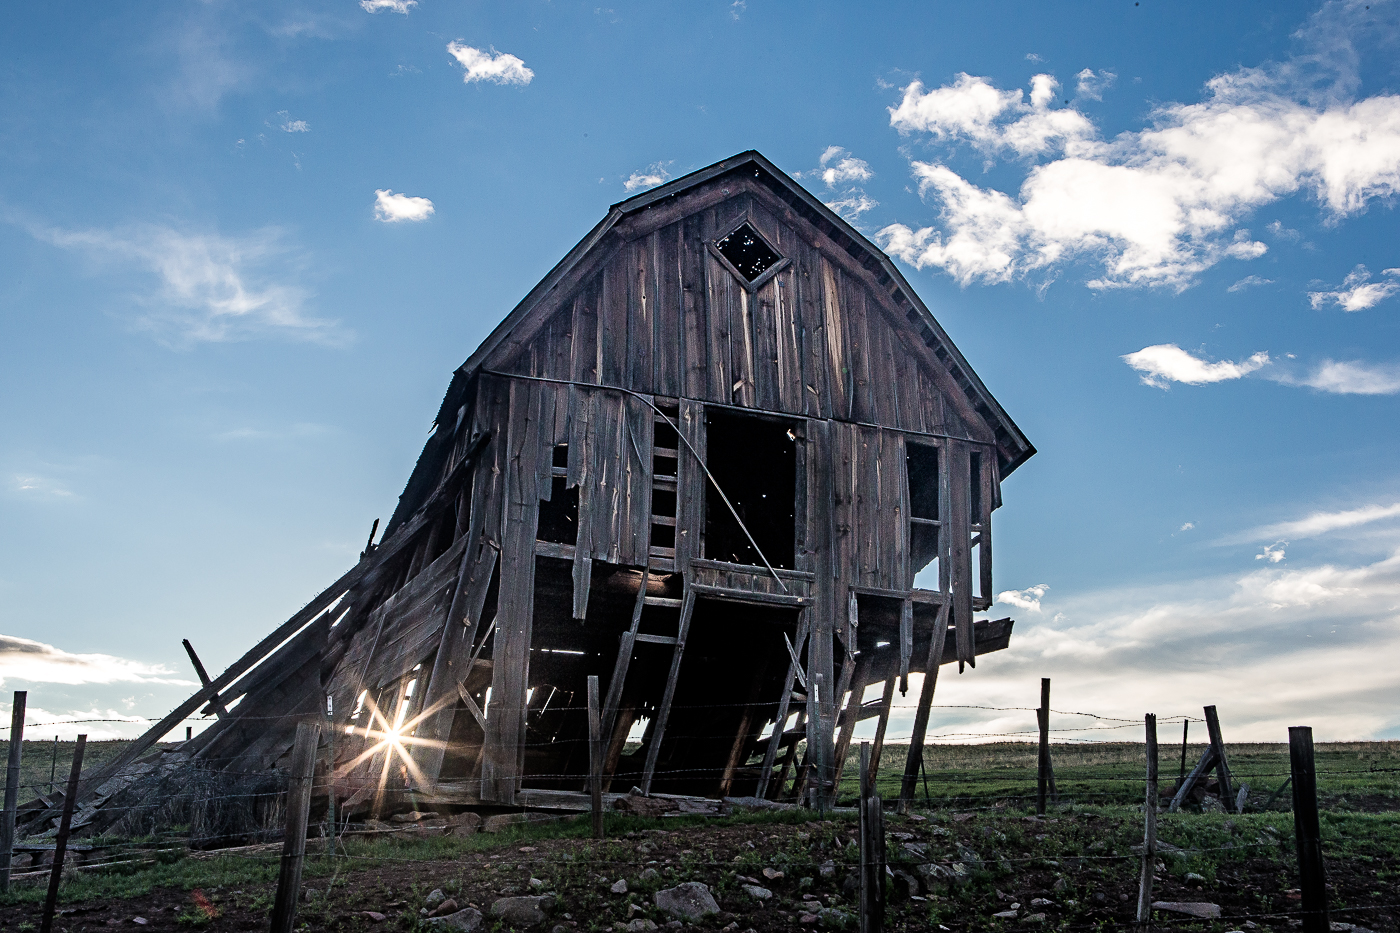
point(763, 277)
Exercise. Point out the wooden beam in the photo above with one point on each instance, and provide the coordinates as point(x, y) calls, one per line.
point(921, 714)
point(216, 703)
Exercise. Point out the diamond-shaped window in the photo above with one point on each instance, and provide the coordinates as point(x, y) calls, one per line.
point(747, 252)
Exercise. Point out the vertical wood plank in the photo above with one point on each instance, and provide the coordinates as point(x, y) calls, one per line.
point(585, 331)
point(503, 753)
point(807, 286)
point(641, 311)
point(612, 316)
point(690, 481)
point(695, 337)
point(834, 332)
point(766, 376)
point(12, 779)
point(960, 554)
point(668, 341)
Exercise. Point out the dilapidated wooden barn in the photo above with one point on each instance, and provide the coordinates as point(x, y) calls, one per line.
point(704, 460)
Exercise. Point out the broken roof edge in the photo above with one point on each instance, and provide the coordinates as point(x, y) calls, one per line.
point(1007, 433)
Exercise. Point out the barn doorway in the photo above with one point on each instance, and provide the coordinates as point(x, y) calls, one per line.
point(754, 460)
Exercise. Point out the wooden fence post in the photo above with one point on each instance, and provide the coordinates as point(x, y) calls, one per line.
point(1312, 874)
point(1222, 767)
point(60, 845)
point(1185, 731)
point(1042, 779)
point(7, 829)
point(872, 850)
point(330, 771)
point(595, 756)
point(284, 911)
point(1149, 835)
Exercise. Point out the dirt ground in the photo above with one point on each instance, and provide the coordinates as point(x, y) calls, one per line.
point(1071, 871)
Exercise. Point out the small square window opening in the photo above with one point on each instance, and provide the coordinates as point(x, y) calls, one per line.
point(747, 252)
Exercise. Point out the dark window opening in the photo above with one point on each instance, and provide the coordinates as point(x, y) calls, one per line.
point(922, 467)
point(975, 484)
point(663, 502)
point(923, 481)
point(561, 456)
point(755, 462)
point(747, 252)
point(559, 514)
point(663, 536)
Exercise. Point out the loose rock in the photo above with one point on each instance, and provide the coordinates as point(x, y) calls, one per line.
point(689, 901)
point(619, 887)
point(467, 920)
point(522, 911)
point(754, 890)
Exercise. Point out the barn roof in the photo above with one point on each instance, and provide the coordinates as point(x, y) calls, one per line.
point(1013, 445)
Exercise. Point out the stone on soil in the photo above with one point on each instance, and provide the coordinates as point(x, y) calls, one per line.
point(619, 887)
point(1199, 909)
point(754, 890)
point(689, 901)
point(523, 911)
point(466, 920)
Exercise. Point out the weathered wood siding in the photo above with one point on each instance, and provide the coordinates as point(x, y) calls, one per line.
point(664, 317)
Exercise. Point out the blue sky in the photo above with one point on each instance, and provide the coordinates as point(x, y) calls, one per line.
point(243, 246)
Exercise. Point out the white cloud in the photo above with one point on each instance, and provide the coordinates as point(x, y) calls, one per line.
point(296, 126)
point(391, 6)
point(493, 66)
point(1187, 526)
point(395, 208)
point(1271, 648)
point(1028, 599)
point(1279, 231)
point(34, 661)
point(649, 177)
point(212, 288)
point(1349, 378)
point(1318, 523)
point(838, 167)
point(1273, 553)
point(1166, 363)
point(1092, 84)
point(1153, 207)
point(737, 8)
point(1248, 281)
point(853, 206)
point(1358, 292)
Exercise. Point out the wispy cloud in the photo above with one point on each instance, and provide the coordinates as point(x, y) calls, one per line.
point(1154, 207)
point(1347, 378)
point(35, 486)
point(37, 662)
point(649, 177)
point(495, 67)
point(1273, 553)
point(388, 6)
point(1358, 292)
point(212, 288)
point(1317, 523)
point(1248, 282)
point(1166, 363)
point(296, 126)
point(395, 208)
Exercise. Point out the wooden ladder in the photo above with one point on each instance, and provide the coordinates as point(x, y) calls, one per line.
point(665, 463)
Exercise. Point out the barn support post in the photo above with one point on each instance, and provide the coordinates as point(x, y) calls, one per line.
point(1149, 833)
point(921, 716)
point(1312, 873)
point(60, 844)
point(284, 910)
point(886, 702)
